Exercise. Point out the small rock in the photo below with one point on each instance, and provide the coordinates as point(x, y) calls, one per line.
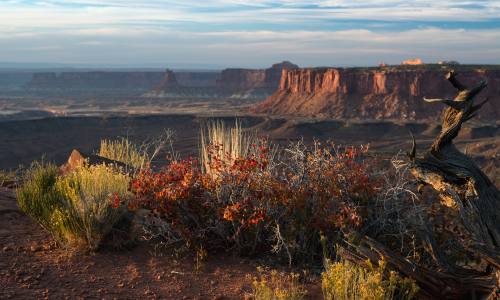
point(6, 249)
point(120, 285)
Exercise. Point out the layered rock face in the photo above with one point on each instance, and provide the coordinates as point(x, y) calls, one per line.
point(375, 93)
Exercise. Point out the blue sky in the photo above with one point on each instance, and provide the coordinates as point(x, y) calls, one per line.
point(220, 33)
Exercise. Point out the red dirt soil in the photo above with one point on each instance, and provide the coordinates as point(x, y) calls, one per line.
point(33, 267)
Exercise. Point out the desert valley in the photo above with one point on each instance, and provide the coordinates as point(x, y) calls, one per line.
point(45, 115)
point(377, 106)
point(257, 150)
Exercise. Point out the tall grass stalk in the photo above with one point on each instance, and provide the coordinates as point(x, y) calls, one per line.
point(225, 143)
point(124, 151)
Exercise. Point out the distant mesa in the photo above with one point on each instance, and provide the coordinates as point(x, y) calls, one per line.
point(93, 81)
point(229, 83)
point(412, 62)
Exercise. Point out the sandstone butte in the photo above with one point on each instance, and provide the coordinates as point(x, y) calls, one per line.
point(374, 93)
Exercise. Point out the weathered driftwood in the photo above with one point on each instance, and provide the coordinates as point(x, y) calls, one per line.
point(459, 181)
point(462, 187)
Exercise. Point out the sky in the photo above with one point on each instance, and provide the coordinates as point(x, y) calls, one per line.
point(257, 33)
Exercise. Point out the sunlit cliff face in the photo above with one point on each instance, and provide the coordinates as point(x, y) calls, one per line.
point(371, 93)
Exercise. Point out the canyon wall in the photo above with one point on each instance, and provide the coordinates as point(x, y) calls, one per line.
point(374, 93)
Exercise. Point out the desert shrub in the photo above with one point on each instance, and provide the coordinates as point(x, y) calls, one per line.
point(347, 281)
point(76, 209)
point(262, 199)
point(89, 192)
point(39, 198)
point(124, 151)
point(277, 286)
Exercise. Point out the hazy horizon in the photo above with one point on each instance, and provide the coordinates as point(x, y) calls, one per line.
point(234, 33)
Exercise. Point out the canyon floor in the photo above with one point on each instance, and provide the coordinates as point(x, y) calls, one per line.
point(32, 267)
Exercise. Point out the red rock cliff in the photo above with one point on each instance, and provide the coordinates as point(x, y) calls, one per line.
point(372, 93)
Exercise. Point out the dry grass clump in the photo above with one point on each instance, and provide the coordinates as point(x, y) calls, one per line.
point(6, 176)
point(277, 286)
point(124, 151)
point(224, 143)
point(347, 281)
point(77, 209)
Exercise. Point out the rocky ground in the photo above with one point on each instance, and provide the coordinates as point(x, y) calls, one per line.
point(33, 267)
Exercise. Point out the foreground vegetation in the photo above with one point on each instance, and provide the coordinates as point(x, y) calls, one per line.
point(76, 208)
point(304, 205)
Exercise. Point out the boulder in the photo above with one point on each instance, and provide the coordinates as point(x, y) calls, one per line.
point(77, 158)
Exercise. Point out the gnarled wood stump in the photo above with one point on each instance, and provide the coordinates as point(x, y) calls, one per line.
point(459, 181)
point(462, 187)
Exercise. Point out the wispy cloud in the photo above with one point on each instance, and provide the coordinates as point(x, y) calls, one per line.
point(310, 32)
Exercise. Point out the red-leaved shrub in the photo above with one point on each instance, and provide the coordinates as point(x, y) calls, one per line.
point(286, 201)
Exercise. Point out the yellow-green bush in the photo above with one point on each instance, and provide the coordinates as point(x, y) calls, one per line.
point(277, 286)
point(347, 281)
point(76, 209)
point(39, 197)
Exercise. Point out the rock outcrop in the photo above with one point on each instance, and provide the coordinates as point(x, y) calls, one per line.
point(78, 158)
point(373, 93)
point(232, 83)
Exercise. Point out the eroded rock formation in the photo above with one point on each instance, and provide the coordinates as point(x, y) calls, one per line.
point(371, 93)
